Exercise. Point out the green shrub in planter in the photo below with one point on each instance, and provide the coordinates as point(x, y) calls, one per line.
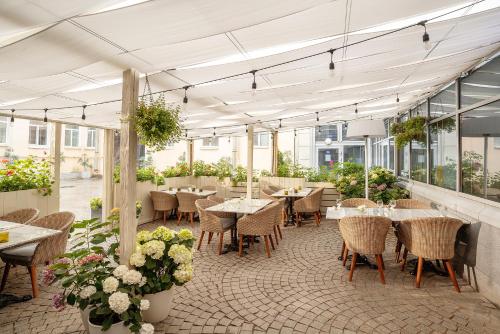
point(142, 175)
point(96, 203)
point(26, 174)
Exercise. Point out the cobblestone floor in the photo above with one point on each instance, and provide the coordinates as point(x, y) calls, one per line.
point(302, 288)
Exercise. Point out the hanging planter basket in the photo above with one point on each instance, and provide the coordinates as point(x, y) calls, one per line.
point(156, 122)
point(406, 132)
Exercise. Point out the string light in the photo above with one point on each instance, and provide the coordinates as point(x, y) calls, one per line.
point(332, 65)
point(317, 116)
point(425, 36)
point(246, 128)
point(397, 98)
point(83, 112)
point(45, 115)
point(280, 124)
point(356, 109)
point(12, 116)
point(254, 83)
point(214, 132)
point(186, 134)
point(294, 132)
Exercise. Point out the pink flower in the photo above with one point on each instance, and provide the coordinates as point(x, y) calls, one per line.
point(353, 182)
point(58, 302)
point(382, 187)
point(91, 258)
point(48, 276)
point(63, 260)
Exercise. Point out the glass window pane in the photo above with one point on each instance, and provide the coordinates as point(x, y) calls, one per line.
point(443, 153)
point(3, 130)
point(264, 139)
point(482, 84)
point(32, 138)
point(444, 102)
point(404, 161)
point(74, 138)
point(391, 154)
point(420, 110)
point(67, 138)
point(480, 136)
point(326, 131)
point(42, 135)
point(354, 154)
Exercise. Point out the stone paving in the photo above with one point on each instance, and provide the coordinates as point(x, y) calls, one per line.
point(302, 288)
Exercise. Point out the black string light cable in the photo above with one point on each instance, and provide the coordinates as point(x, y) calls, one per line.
point(425, 39)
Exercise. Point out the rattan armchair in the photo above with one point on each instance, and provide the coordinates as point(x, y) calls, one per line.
point(310, 204)
point(434, 239)
point(260, 223)
point(401, 233)
point(163, 202)
point(22, 216)
point(213, 222)
point(266, 193)
point(355, 202)
point(274, 188)
point(34, 254)
point(365, 235)
point(187, 206)
point(216, 199)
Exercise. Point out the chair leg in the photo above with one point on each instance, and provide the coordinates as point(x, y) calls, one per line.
point(191, 218)
point(343, 250)
point(279, 231)
point(221, 242)
point(272, 242)
point(34, 280)
point(252, 240)
point(201, 239)
point(164, 217)
point(353, 265)
point(6, 270)
point(383, 263)
point(179, 218)
point(405, 255)
point(398, 250)
point(240, 245)
point(420, 266)
point(297, 218)
point(266, 240)
point(276, 235)
point(380, 265)
point(210, 235)
point(346, 253)
point(453, 278)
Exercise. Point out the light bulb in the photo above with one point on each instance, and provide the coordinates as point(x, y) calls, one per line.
point(427, 45)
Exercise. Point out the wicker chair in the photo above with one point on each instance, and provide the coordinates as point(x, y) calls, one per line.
point(402, 237)
point(309, 204)
point(274, 188)
point(22, 216)
point(187, 206)
point(365, 235)
point(355, 202)
point(43, 252)
point(213, 222)
point(433, 238)
point(163, 202)
point(260, 223)
point(266, 193)
point(216, 199)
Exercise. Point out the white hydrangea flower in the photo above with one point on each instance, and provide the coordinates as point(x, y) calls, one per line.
point(180, 254)
point(87, 291)
point(119, 302)
point(184, 273)
point(110, 284)
point(163, 233)
point(147, 329)
point(137, 259)
point(132, 277)
point(144, 280)
point(185, 234)
point(120, 271)
point(144, 305)
point(153, 248)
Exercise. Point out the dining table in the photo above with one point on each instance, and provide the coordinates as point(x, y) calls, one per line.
point(202, 193)
point(291, 195)
point(22, 234)
point(238, 206)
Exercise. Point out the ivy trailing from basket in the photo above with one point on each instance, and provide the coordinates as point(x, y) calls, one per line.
point(407, 131)
point(156, 122)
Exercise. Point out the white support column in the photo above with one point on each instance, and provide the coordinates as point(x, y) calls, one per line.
point(128, 164)
point(190, 153)
point(55, 153)
point(275, 152)
point(107, 173)
point(249, 161)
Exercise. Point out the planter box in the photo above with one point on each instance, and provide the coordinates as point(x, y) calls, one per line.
point(22, 199)
point(282, 182)
point(97, 213)
point(142, 194)
point(330, 194)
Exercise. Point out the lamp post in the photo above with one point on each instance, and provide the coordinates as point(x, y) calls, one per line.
point(366, 128)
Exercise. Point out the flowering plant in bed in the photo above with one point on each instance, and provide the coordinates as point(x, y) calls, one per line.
point(24, 174)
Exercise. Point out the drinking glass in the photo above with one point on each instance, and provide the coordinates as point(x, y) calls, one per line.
point(338, 203)
point(380, 204)
point(392, 204)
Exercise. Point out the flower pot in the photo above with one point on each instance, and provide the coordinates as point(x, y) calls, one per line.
point(160, 305)
point(85, 174)
point(118, 328)
point(85, 317)
point(96, 213)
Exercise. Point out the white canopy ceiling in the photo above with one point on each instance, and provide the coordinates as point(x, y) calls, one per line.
point(57, 53)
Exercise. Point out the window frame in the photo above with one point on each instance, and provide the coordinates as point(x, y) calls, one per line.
point(72, 131)
point(94, 137)
point(38, 125)
point(257, 143)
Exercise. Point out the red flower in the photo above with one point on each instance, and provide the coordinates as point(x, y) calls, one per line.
point(10, 172)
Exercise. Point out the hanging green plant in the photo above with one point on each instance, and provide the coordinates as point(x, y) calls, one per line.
point(412, 129)
point(156, 122)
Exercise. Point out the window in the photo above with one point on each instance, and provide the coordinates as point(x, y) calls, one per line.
point(480, 129)
point(344, 133)
point(261, 139)
point(92, 137)
point(210, 142)
point(71, 134)
point(38, 133)
point(443, 153)
point(354, 154)
point(482, 84)
point(444, 102)
point(419, 150)
point(326, 131)
point(404, 155)
point(3, 130)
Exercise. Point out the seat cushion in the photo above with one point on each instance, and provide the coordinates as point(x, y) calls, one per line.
point(20, 254)
point(226, 222)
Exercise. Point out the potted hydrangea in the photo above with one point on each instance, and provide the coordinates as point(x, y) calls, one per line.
point(164, 258)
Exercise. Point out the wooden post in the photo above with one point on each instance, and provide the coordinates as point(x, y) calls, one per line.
point(275, 152)
point(128, 164)
point(107, 173)
point(56, 155)
point(190, 153)
point(249, 161)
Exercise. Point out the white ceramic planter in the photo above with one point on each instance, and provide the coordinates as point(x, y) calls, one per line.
point(160, 305)
point(118, 328)
point(85, 317)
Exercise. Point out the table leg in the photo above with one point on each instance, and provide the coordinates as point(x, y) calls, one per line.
point(362, 260)
point(290, 220)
